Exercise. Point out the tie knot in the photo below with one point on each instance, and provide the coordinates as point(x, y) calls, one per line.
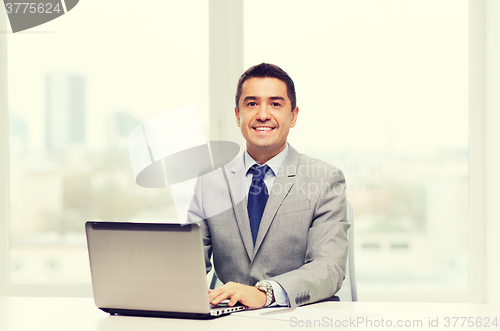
point(258, 171)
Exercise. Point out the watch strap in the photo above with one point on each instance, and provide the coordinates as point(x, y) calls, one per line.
point(266, 287)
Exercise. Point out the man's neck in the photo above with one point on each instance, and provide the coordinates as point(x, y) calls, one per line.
point(261, 156)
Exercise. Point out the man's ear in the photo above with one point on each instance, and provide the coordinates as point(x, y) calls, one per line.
point(295, 113)
point(237, 114)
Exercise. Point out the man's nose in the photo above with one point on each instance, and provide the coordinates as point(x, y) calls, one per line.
point(263, 114)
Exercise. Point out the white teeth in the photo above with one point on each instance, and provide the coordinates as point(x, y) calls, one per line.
point(264, 128)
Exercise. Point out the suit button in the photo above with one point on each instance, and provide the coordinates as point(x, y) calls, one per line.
point(300, 298)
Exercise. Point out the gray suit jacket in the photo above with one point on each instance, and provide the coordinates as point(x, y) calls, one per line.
point(301, 243)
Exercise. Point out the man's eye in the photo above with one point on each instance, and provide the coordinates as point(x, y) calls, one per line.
point(251, 104)
point(276, 104)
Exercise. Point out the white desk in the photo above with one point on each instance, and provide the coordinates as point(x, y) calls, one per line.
point(73, 314)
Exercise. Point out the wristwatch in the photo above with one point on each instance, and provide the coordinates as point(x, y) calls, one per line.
point(266, 287)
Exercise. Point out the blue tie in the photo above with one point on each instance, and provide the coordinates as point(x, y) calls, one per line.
point(257, 198)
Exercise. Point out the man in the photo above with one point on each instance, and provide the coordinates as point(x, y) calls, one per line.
point(274, 219)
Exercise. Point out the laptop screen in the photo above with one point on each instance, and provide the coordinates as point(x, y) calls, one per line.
point(157, 267)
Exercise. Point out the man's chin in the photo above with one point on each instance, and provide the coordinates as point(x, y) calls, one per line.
point(265, 148)
point(261, 146)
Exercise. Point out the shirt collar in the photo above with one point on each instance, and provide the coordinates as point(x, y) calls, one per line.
point(274, 163)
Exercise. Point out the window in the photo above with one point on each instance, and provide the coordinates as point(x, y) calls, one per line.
point(382, 88)
point(383, 92)
point(77, 86)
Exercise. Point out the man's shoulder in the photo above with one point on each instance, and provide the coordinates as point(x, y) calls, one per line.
point(215, 170)
point(304, 158)
point(314, 167)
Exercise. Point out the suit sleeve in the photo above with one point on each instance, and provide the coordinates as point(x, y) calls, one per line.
point(196, 214)
point(324, 267)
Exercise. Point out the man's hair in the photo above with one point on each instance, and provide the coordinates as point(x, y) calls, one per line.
point(267, 70)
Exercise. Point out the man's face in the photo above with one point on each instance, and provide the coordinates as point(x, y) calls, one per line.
point(265, 116)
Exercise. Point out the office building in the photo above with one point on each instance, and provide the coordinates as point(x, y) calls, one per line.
point(65, 111)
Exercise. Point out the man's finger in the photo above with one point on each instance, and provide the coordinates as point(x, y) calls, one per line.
point(228, 287)
point(214, 293)
point(234, 299)
point(221, 297)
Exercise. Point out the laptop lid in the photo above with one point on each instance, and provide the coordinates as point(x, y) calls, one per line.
point(147, 267)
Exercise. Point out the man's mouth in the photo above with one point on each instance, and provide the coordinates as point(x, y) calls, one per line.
point(263, 128)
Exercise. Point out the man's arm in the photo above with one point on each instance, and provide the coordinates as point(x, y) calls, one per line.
point(323, 272)
point(280, 296)
point(196, 214)
point(249, 296)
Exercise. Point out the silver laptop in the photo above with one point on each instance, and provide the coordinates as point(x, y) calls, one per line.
point(150, 270)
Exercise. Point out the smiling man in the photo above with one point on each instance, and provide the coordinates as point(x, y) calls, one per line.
point(283, 239)
point(265, 115)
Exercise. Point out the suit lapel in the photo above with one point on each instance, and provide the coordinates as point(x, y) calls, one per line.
point(282, 185)
point(236, 179)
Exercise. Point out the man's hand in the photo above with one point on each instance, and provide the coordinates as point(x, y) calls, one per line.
point(249, 296)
